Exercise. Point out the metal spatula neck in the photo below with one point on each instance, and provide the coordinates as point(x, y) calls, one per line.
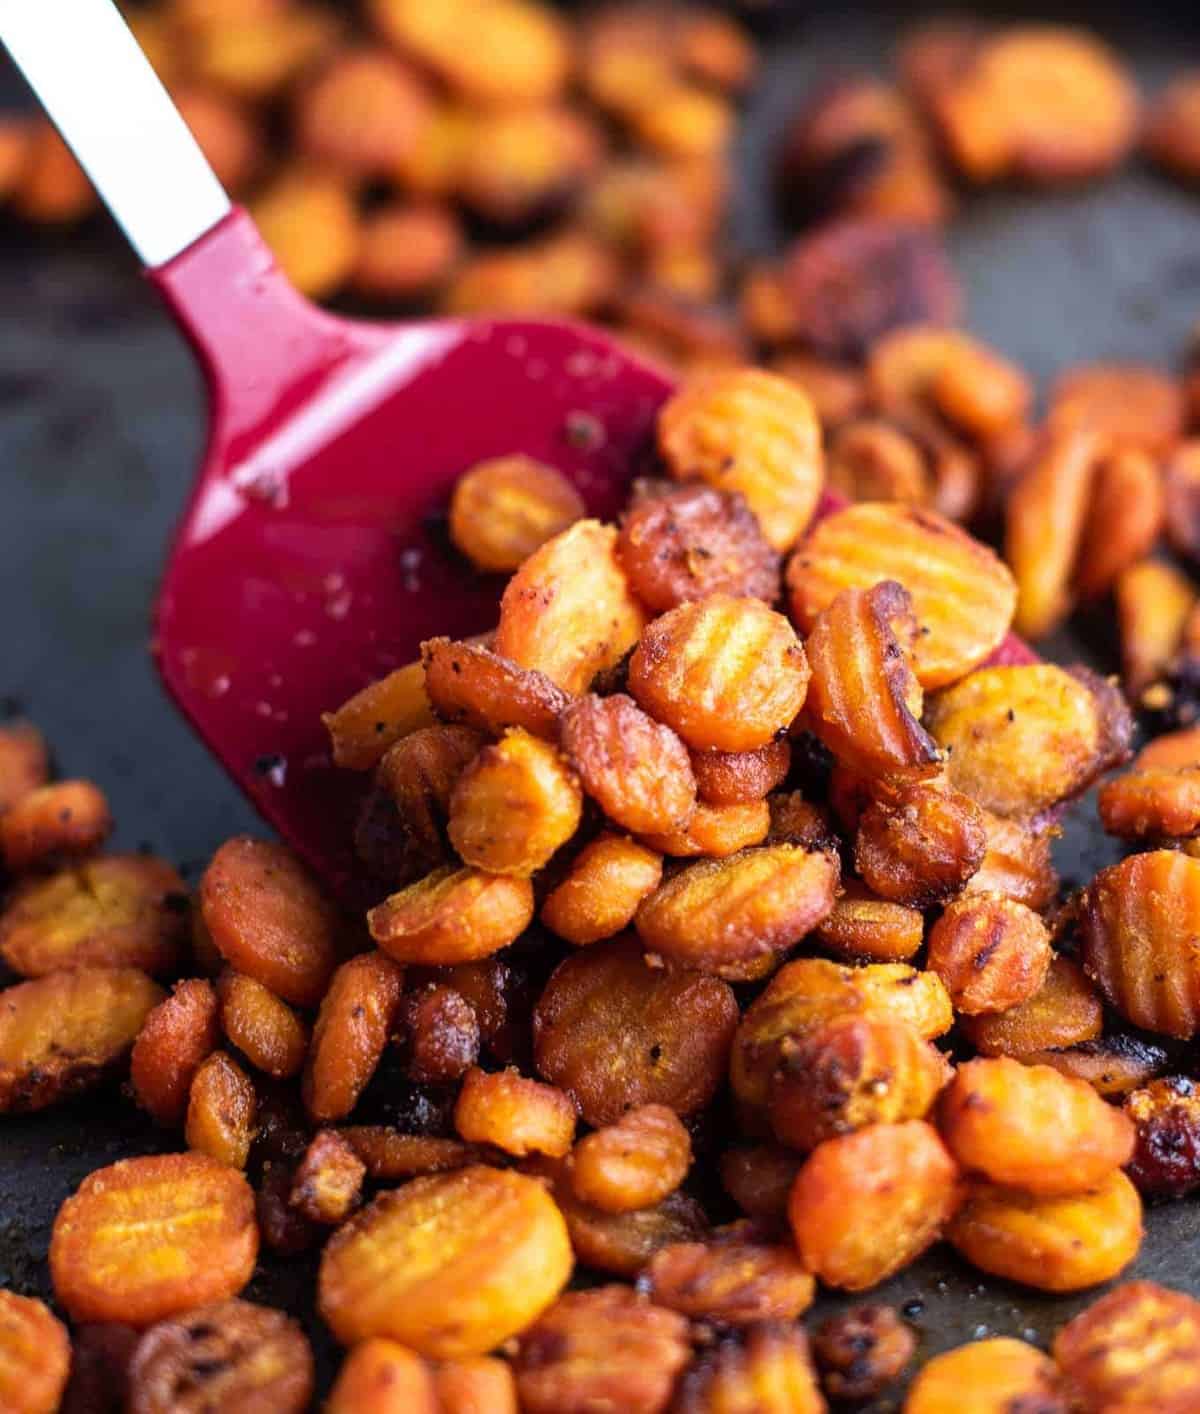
point(85, 67)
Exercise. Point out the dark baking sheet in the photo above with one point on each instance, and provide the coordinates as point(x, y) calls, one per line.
point(100, 426)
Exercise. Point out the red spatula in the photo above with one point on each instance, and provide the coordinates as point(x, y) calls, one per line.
point(310, 559)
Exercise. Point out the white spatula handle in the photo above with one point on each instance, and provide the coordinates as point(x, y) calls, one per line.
point(101, 93)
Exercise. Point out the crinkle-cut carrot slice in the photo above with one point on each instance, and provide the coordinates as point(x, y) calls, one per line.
point(504, 509)
point(754, 432)
point(963, 596)
point(1138, 1347)
point(150, 1237)
point(451, 1265)
point(35, 1356)
point(1061, 1243)
point(1140, 921)
point(63, 1033)
point(568, 612)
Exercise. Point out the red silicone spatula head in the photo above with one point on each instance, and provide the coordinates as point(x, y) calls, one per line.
point(313, 557)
